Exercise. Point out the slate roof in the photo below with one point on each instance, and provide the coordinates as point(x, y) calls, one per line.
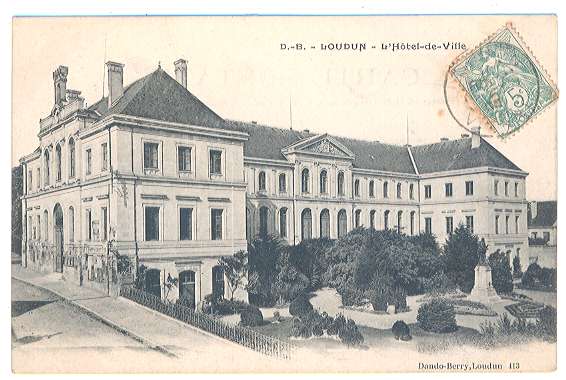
point(158, 96)
point(546, 214)
point(458, 154)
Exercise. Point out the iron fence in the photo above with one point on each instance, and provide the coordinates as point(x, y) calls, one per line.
point(238, 334)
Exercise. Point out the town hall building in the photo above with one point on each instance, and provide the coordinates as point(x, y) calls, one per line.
point(173, 184)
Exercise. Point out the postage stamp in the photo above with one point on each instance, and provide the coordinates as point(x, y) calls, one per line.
point(505, 81)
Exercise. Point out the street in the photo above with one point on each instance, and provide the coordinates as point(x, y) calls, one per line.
point(51, 335)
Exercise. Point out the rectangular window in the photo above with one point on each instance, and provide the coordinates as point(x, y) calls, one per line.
point(507, 224)
point(151, 223)
point(216, 224)
point(506, 188)
point(282, 183)
point(469, 187)
point(88, 224)
point(448, 189)
point(470, 223)
point(412, 223)
point(517, 224)
point(546, 236)
point(496, 187)
point(30, 180)
point(216, 162)
point(150, 155)
point(411, 191)
point(104, 157)
point(449, 225)
point(104, 223)
point(88, 161)
point(185, 223)
point(283, 223)
point(516, 189)
point(184, 158)
point(37, 228)
point(496, 224)
point(428, 225)
point(427, 191)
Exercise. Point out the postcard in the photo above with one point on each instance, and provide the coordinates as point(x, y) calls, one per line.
point(259, 194)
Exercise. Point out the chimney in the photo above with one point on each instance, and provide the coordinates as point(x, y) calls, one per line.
point(181, 72)
point(534, 211)
point(115, 81)
point(476, 139)
point(73, 95)
point(60, 84)
point(443, 139)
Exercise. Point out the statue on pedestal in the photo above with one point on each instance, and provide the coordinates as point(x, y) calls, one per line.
point(483, 290)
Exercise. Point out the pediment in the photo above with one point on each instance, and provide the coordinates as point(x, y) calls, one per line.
point(320, 145)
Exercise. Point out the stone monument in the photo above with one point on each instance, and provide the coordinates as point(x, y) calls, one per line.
point(483, 290)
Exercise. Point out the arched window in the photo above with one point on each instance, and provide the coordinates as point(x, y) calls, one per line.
point(412, 222)
point(58, 157)
point(262, 181)
point(283, 222)
point(71, 157)
point(71, 224)
point(325, 223)
point(263, 215)
point(306, 224)
point(341, 183)
point(398, 190)
point(46, 167)
point(357, 188)
point(371, 188)
point(342, 223)
point(45, 225)
point(357, 218)
point(323, 182)
point(386, 220)
point(305, 181)
point(385, 189)
point(282, 183)
point(372, 219)
point(187, 288)
point(399, 221)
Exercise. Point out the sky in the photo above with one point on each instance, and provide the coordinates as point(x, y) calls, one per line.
point(238, 68)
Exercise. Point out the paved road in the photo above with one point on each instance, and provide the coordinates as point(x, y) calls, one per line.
point(51, 335)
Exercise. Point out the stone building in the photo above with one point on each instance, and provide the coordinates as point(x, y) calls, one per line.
point(170, 182)
point(541, 222)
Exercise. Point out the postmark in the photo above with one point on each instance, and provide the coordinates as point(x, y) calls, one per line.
point(504, 81)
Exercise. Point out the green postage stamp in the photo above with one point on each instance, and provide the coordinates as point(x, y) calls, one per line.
point(505, 81)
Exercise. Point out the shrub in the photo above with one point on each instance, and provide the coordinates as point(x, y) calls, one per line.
point(290, 282)
point(547, 322)
point(277, 316)
point(502, 277)
point(401, 331)
point(531, 275)
point(297, 326)
point(461, 257)
point(186, 302)
point(337, 325)
point(251, 316)
point(517, 272)
point(437, 316)
point(350, 335)
point(548, 277)
point(227, 307)
point(300, 306)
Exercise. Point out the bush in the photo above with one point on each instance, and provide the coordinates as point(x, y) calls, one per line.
point(437, 316)
point(547, 322)
point(227, 307)
point(336, 325)
point(300, 306)
point(401, 331)
point(502, 278)
point(290, 282)
point(461, 257)
point(531, 276)
point(251, 316)
point(350, 335)
point(548, 277)
point(517, 272)
point(186, 302)
point(277, 316)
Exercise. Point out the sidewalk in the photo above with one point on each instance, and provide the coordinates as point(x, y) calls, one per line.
point(203, 351)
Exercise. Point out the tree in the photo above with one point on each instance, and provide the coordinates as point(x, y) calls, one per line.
point(517, 272)
point(501, 276)
point(263, 254)
point(235, 269)
point(460, 257)
point(17, 192)
point(290, 282)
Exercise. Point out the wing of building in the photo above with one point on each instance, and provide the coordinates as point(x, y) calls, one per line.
point(541, 223)
point(177, 186)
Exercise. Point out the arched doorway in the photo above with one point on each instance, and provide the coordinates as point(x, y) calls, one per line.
point(342, 223)
point(306, 224)
point(153, 282)
point(325, 223)
point(187, 288)
point(58, 237)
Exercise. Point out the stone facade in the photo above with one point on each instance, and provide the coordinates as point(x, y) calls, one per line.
point(175, 186)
